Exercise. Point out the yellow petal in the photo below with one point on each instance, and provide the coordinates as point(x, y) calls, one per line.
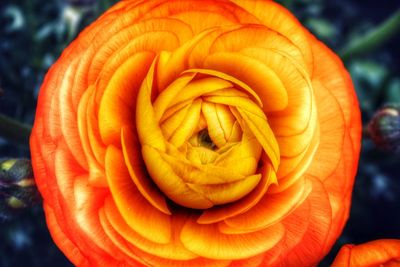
point(200, 87)
point(165, 98)
point(264, 134)
point(243, 156)
point(238, 83)
point(138, 173)
point(227, 192)
point(188, 126)
point(201, 155)
point(171, 124)
point(190, 172)
point(207, 241)
point(214, 125)
point(170, 183)
point(147, 126)
point(220, 213)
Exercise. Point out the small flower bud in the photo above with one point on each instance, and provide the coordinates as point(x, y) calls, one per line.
point(17, 186)
point(384, 128)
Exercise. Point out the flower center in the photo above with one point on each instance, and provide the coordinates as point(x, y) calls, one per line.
point(203, 137)
point(204, 140)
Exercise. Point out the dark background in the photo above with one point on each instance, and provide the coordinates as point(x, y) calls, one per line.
point(33, 33)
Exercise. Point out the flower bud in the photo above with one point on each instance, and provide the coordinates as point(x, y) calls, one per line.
point(17, 186)
point(384, 128)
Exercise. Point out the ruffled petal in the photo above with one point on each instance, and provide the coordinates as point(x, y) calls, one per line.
point(138, 173)
point(207, 241)
point(272, 208)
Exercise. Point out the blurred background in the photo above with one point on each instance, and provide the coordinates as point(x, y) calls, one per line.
point(33, 33)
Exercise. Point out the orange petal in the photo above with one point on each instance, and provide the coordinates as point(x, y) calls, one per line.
point(66, 172)
point(296, 123)
point(134, 208)
point(85, 213)
point(309, 249)
point(279, 19)
point(173, 63)
point(171, 8)
point(257, 36)
point(62, 241)
point(68, 118)
point(340, 189)
point(133, 253)
point(258, 76)
point(332, 130)
point(254, 261)
point(347, 99)
point(117, 106)
point(171, 250)
point(296, 225)
point(331, 66)
point(382, 252)
point(92, 127)
point(153, 35)
point(96, 171)
point(298, 170)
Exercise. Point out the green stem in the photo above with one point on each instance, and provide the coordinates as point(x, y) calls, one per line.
point(372, 39)
point(14, 131)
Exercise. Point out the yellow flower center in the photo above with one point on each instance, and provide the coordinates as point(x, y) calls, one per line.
point(203, 137)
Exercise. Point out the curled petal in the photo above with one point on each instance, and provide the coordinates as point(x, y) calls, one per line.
point(383, 252)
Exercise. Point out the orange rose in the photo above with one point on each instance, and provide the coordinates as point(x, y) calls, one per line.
point(196, 133)
point(378, 253)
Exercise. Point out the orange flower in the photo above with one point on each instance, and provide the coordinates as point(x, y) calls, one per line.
point(383, 252)
point(196, 133)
